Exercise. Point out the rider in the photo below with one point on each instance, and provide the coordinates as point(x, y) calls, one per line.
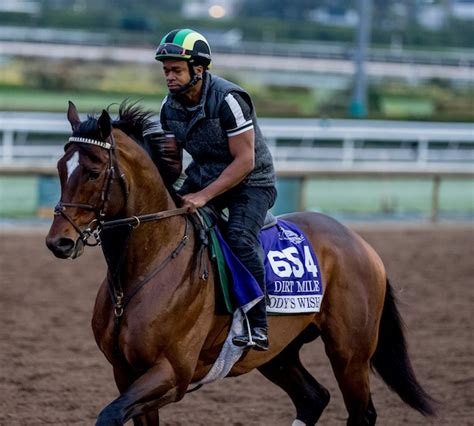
point(214, 121)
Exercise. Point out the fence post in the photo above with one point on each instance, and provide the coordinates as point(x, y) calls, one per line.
point(348, 151)
point(7, 146)
point(435, 198)
point(422, 151)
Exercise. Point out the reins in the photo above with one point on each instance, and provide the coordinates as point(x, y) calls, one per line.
point(137, 220)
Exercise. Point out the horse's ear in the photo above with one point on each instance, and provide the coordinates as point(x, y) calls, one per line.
point(105, 125)
point(73, 116)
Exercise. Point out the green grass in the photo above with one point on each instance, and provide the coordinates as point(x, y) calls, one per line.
point(436, 105)
point(396, 107)
point(12, 98)
point(24, 99)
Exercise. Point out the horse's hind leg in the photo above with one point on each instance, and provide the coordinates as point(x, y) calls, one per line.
point(353, 380)
point(285, 370)
point(350, 360)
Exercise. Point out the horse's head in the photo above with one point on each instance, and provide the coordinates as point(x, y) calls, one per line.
point(92, 186)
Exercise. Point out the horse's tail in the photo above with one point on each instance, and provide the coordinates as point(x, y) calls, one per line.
point(391, 359)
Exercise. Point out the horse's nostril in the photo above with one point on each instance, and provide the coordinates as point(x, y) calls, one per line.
point(65, 244)
point(61, 247)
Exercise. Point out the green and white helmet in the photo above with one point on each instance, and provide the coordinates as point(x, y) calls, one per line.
point(185, 44)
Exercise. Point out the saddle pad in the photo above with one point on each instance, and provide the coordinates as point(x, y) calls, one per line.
point(293, 279)
point(293, 284)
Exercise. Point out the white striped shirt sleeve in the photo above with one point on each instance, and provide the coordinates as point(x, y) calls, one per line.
point(237, 115)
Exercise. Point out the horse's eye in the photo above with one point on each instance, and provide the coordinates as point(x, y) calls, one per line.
point(93, 175)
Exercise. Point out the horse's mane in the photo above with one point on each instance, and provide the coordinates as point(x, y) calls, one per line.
point(136, 122)
point(132, 119)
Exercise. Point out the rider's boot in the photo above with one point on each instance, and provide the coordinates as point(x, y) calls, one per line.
point(258, 338)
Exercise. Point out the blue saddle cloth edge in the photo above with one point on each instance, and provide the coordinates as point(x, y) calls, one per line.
point(245, 289)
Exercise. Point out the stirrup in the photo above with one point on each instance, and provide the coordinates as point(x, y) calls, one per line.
point(248, 341)
point(243, 341)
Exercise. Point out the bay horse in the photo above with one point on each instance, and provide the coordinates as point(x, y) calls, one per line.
point(155, 316)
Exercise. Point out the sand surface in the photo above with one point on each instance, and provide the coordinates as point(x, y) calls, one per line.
point(51, 371)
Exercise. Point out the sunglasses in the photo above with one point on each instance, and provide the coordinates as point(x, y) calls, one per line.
point(172, 49)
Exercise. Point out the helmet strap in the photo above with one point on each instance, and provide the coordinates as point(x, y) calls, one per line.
point(195, 78)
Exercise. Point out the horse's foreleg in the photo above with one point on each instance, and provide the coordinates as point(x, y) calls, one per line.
point(124, 377)
point(154, 389)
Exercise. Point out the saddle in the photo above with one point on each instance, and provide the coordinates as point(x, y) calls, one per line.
point(213, 217)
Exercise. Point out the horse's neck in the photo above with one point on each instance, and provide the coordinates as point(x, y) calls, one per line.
point(151, 244)
point(137, 251)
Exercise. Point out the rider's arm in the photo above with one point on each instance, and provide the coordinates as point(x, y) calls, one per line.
point(238, 123)
point(242, 150)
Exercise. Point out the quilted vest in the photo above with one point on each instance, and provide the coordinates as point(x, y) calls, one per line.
point(200, 133)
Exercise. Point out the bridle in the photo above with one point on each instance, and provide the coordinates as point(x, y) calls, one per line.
point(94, 228)
point(98, 224)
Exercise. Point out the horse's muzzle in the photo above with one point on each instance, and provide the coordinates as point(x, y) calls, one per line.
point(65, 248)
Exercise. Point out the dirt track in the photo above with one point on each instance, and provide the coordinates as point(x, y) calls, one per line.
point(52, 373)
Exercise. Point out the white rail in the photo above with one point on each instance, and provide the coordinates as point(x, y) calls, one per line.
point(299, 146)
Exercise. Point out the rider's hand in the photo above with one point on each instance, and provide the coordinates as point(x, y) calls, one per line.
point(193, 201)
